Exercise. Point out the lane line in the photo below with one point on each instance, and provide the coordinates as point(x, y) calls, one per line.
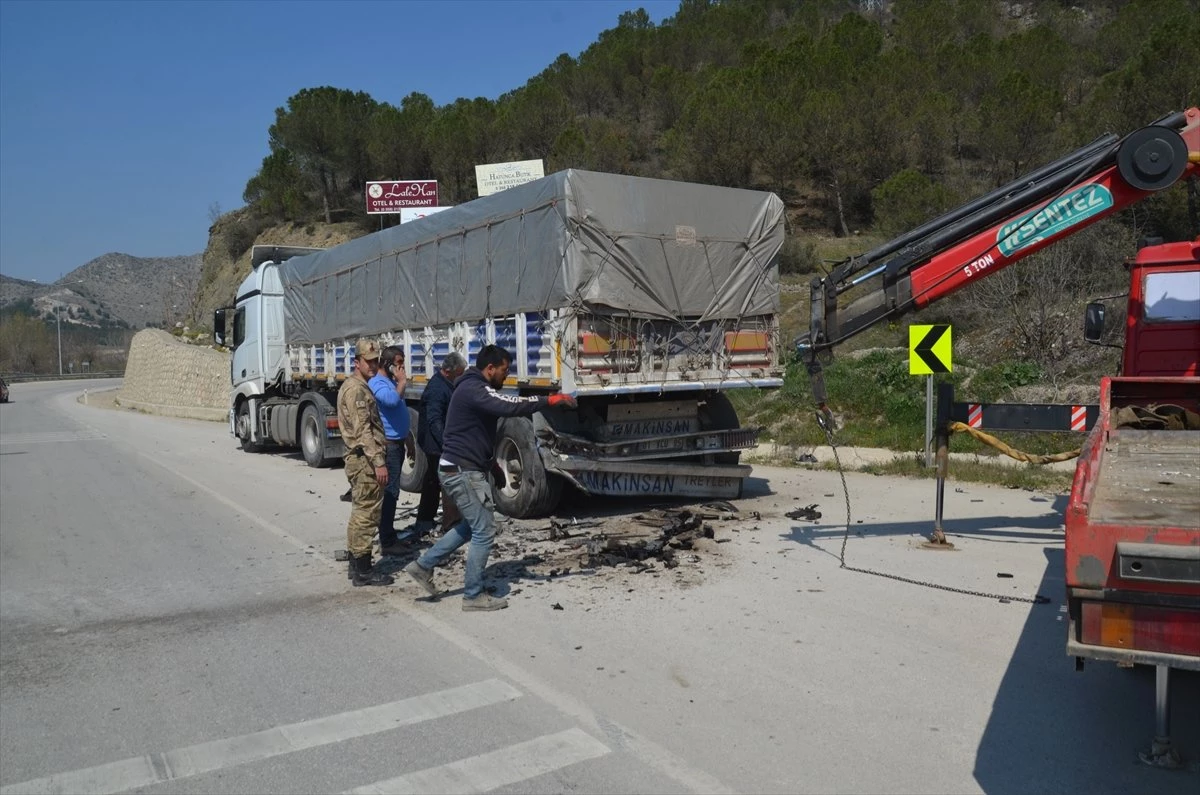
point(620, 737)
point(489, 771)
point(143, 771)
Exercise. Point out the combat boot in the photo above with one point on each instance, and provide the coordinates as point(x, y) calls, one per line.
point(365, 574)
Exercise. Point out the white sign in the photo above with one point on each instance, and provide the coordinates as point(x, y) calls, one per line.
point(413, 213)
point(495, 177)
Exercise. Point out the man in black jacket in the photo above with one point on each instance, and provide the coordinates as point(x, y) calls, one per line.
point(468, 453)
point(435, 399)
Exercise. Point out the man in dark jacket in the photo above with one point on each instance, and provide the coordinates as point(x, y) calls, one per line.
point(468, 452)
point(430, 428)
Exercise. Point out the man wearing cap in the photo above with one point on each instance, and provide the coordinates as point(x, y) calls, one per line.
point(366, 463)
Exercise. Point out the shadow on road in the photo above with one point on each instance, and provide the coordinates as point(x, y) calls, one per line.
point(1055, 730)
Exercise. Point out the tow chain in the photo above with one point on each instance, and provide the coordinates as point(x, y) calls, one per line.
point(826, 425)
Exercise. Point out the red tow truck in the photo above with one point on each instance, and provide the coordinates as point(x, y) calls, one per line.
point(1133, 517)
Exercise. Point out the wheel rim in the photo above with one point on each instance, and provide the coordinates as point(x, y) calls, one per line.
point(308, 437)
point(508, 456)
point(243, 423)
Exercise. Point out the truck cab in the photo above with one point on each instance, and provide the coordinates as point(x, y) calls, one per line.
point(259, 355)
point(1162, 325)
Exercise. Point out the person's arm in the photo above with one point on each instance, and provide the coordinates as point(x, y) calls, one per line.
point(500, 404)
point(385, 392)
point(436, 417)
point(400, 377)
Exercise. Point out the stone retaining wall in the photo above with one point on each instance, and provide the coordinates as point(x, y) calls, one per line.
point(165, 375)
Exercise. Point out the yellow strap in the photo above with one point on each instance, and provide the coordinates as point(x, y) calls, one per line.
point(992, 441)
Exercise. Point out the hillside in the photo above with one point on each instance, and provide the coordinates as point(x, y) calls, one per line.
point(226, 260)
point(113, 291)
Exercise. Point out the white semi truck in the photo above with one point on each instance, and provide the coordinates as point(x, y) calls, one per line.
point(649, 300)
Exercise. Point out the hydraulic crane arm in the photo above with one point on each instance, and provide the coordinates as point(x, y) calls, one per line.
point(991, 232)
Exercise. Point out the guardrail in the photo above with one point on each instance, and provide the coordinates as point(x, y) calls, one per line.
point(16, 378)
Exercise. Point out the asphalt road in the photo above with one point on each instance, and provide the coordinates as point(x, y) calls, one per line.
point(171, 620)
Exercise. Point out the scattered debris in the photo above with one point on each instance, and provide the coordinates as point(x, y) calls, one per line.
point(556, 606)
point(1004, 575)
point(809, 512)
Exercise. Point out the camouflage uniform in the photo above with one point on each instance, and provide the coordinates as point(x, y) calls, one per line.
point(362, 433)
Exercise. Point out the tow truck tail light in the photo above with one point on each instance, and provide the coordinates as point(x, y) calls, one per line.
point(748, 348)
point(1169, 630)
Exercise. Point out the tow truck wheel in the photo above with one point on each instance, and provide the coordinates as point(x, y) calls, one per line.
point(242, 425)
point(312, 437)
point(412, 474)
point(525, 490)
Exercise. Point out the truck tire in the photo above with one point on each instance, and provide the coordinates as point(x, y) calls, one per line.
point(718, 414)
point(242, 425)
point(312, 437)
point(412, 475)
point(526, 490)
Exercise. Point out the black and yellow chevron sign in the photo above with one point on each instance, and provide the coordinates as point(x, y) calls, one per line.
point(928, 349)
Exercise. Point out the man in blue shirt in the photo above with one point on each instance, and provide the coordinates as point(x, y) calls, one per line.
point(388, 386)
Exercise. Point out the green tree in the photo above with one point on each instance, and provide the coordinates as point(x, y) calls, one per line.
point(325, 130)
point(397, 139)
point(26, 345)
point(461, 137)
point(908, 199)
point(715, 137)
point(277, 190)
point(1020, 118)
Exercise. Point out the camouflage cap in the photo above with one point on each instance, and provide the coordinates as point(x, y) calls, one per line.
point(366, 349)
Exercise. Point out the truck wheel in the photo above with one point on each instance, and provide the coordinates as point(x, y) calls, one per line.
point(312, 437)
point(242, 425)
point(412, 475)
point(718, 414)
point(526, 490)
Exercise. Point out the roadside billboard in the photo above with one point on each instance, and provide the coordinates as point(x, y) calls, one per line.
point(413, 213)
point(393, 196)
point(495, 177)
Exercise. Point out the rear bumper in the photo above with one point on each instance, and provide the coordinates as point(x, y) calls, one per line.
point(1091, 652)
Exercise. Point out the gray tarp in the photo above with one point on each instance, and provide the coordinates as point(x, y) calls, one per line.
point(601, 243)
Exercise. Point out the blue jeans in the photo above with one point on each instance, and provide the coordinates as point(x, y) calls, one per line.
point(394, 459)
point(472, 494)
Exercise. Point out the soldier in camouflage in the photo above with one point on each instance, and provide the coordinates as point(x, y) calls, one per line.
point(366, 469)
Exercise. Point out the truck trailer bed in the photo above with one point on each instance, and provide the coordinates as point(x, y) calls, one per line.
point(1149, 478)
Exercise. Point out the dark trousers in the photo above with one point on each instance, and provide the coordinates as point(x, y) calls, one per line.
point(391, 493)
point(431, 494)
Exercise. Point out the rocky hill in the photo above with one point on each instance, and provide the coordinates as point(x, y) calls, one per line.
point(114, 290)
point(226, 261)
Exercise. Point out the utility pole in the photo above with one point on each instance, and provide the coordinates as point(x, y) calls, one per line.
point(58, 324)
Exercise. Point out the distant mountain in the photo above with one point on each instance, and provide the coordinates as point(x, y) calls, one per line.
point(114, 290)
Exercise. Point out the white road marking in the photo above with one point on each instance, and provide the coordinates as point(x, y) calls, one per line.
point(495, 769)
point(142, 771)
point(621, 737)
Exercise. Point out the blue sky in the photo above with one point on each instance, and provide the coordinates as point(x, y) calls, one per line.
point(121, 123)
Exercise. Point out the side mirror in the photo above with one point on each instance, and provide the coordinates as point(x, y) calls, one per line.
point(219, 327)
point(1093, 322)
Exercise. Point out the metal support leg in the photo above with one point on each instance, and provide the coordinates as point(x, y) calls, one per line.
point(1161, 753)
point(942, 461)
